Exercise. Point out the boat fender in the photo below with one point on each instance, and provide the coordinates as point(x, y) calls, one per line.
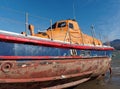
point(31, 28)
point(6, 67)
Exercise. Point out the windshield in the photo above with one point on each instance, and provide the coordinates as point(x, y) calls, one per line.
point(62, 24)
point(53, 26)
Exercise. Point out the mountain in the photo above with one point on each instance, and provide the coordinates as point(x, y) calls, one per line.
point(116, 44)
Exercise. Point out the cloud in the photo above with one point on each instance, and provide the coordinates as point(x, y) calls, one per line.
point(109, 25)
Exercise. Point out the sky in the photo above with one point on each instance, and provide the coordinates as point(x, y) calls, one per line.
point(104, 15)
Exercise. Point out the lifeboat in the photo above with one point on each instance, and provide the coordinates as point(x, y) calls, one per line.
point(61, 57)
point(66, 31)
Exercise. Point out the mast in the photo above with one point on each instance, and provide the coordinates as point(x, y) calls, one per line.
point(26, 23)
point(74, 9)
point(93, 33)
point(51, 30)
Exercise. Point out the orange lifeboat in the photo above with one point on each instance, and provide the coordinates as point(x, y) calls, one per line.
point(67, 31)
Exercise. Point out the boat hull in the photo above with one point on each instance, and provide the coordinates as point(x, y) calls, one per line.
point(52, 72)
point(27, 61)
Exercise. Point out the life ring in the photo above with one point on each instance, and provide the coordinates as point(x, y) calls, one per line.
point(6, 67)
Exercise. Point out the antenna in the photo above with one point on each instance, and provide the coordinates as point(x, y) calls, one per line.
point(100, 36)
point(74, 9)
point(93, 33)
point(93, 30)
point(26, 23)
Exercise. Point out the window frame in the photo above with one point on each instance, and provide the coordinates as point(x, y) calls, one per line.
point(71, 26)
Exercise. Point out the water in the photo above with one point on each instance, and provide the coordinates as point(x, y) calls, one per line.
point(113, 83)
point(107, 82)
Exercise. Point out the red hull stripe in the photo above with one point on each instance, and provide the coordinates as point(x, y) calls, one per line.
point(39, 57)
point(45, 57)
point(48, 43)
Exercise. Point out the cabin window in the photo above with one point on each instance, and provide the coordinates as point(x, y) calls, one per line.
point(53, 26)
point(71, 26)
point(61, 24)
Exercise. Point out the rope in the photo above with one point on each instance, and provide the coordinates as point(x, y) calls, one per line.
point(11, 20)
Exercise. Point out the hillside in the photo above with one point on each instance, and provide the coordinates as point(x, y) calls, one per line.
point(116, 44)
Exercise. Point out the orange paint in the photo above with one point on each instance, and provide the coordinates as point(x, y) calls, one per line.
point(68, 33)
